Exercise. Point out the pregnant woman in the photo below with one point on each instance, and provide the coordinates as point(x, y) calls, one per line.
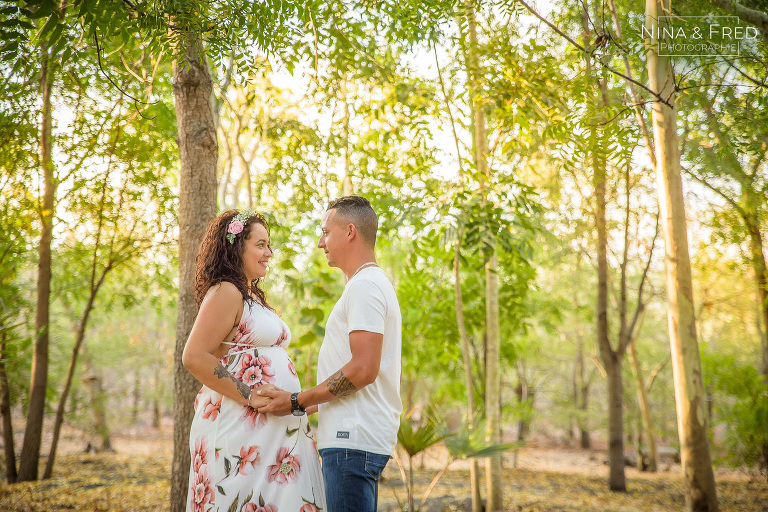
point(243, 460)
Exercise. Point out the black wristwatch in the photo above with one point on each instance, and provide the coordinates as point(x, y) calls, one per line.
point(296, 409)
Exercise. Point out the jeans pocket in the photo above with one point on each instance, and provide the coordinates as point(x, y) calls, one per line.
point(375, 464)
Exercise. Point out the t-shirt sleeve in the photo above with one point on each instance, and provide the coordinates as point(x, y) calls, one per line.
point(367, 307)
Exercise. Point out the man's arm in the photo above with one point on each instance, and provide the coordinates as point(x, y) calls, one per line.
point(360, 371)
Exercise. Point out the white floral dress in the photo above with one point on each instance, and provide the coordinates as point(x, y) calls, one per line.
point(244, 461)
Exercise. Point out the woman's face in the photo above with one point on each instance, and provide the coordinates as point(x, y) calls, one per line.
point(256, 252)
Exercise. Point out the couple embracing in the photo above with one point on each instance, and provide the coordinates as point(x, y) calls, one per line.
point(251, 445)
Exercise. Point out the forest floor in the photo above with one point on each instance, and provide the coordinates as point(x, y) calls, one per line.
point(135, 478)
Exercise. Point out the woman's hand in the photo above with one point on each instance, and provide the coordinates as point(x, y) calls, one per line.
point(257, 401)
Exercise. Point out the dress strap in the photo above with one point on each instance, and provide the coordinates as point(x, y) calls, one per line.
point(248, 347)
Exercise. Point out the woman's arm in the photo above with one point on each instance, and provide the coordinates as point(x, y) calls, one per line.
point(220, 310)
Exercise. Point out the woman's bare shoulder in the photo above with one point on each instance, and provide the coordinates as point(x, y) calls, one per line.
point(224, 292)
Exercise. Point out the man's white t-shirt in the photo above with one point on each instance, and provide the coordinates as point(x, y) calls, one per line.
point(368, 419)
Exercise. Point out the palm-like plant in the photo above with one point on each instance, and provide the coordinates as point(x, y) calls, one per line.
point(415, 439)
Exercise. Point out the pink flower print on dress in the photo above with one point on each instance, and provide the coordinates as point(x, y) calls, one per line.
point(242, 331)
point(283, 336)
point(286, 468)
point(252, 507)
point(200, 454)
point(261, 507)
point(253, 417)
point(309, 507)
point(211, 409)
point(249, 456)
point(292, 368)
point(255, 370)
point(197, 398)
point(202, 491)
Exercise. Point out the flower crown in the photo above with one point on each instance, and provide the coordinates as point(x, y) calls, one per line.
point(237, 224)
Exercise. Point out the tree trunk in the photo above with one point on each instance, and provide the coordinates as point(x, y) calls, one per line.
point(761, 275)
point(474, 468)
point(60, 409)
point(611, 359)
point(581, 397)
point(192, 88)
point(30, 450)
point(645, 410)
point(617, 479)
point(346, 185)
point(493, 473)
point(5, 413)
point(92, 380)
point(699, 481)
point(136, 397)
point(158, 392)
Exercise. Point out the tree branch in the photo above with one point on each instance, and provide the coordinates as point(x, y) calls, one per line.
point(754, 17)
point(591, 55)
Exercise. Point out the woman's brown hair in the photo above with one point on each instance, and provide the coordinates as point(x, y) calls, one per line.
point(221, 261)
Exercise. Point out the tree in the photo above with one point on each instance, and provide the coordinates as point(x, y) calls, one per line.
point(30, 451)
point(700, 493)
point(198, 150)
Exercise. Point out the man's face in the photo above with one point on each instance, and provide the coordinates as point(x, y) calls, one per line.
point(332, 238)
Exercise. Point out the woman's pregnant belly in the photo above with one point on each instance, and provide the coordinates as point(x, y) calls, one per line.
point(258, 366)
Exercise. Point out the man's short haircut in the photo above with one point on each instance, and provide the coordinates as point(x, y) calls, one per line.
point(358, 211)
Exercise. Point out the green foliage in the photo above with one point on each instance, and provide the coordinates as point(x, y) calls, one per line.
point(741, 408)
point(415, 437)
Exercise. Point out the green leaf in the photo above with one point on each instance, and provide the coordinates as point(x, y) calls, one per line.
point(48, 27)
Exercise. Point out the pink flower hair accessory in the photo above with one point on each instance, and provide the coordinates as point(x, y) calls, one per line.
point(237, 224)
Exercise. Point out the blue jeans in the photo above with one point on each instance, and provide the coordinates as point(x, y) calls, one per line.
point(352, 479)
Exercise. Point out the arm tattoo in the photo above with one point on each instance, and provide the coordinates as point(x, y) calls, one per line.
point(339, 385)
point(222, 373)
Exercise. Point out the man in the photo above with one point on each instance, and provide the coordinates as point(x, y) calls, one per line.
point(358, 395)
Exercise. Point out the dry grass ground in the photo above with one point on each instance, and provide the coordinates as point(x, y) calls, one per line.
point(136, 479)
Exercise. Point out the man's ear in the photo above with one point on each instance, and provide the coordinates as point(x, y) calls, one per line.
point(351, 232)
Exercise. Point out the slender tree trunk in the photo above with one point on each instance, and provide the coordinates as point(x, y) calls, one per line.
point(346, 186)
point(585, 440)
point(525, 396)
point(761, 275)
point(474, 468)
point(581, 396)
point(226, 176)
point(493, 469)
point(60, 409)
point(5, 412)
point(93, 381)
point(192, 88)
point(645, 409)
point(30, 450)
point(611, 359)
point(617, 478)
point(699, 481)
point(136, 396)
point(158, 393)
point(493, 473)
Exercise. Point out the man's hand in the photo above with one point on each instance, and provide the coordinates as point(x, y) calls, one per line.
point(257, 401)
point(280, 404)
